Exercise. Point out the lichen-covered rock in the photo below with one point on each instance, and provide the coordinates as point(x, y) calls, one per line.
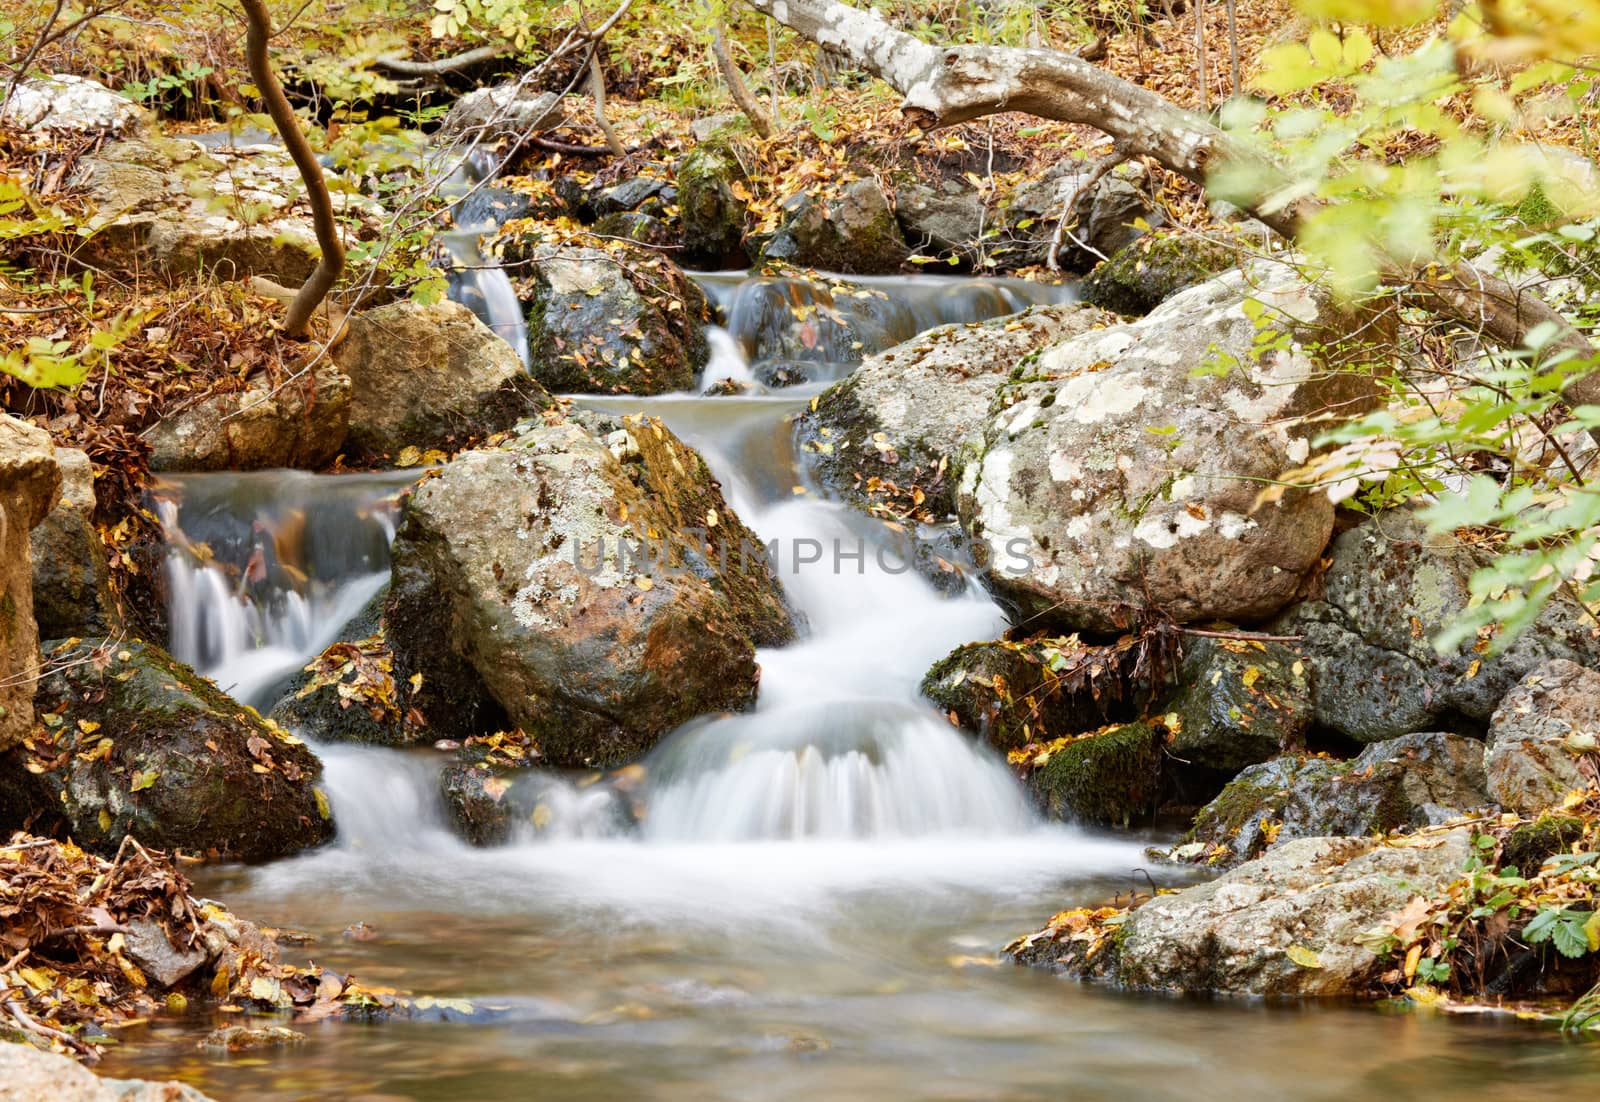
point(1240, 702)
point(1116, 473)
point(171, 205)
point(618, 320)
point(30, 482)
point(1105, 218)
point(72, 592)
point(916, 412)
point(30, 1075)
point(1391, 588)
point(1414, 781)
point(64, 102)
point(713, 215)
point(1152, 269)
point(855, 233)
point(1289, 923)
point(131, 741)
point(430, 376)
point(519, 591)
point(1112, 779)
point(300, 423)
point(1544, 738)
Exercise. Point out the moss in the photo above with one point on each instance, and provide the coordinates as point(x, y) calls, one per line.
point(1154, 268)
point(1530, 845)
point(1109, 779)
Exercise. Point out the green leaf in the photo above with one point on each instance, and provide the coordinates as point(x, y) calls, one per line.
point(144, 779)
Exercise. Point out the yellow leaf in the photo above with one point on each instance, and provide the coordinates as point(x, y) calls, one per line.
point(1591, 930)
point(144, 779)
point(1251, 675)
point(409, 456)
point(88, 726)
point(1303, 957)
point(1413, 956)
point(1472, 670)
point(644, 583)
point(322, 804)
point(540, 816)
point(105, 821)
point(416, 681)
point(496, 787)
point(711, 518)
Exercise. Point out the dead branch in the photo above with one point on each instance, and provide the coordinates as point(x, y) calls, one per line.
point(443, 66)
point(597, 89)
point(760, 121)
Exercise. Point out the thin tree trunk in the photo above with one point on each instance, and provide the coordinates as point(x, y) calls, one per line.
point(1200, 55)
point(944, 85)
point(736, 86)
point(297, 319)
point(1233, 47)
point(597, 89)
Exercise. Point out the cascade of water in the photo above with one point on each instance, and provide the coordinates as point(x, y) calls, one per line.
point(480, 286)
point(263, 569)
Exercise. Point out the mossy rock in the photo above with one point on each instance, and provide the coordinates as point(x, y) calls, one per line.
point(713, 217)
point(129, 741)
point(1240, 703)
point(1108, 779)
point(638, 227)
point(364, 703)
point(856, 234)
point(1530, 845)
point(1146, 273)
point(493, 794)
point(1414, 781)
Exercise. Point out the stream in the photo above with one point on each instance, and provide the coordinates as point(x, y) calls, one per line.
point(811, 907)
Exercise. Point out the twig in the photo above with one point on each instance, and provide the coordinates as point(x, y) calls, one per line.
point(1120, 152)
point(443, 66)
point(597, 89)
point(759, 119)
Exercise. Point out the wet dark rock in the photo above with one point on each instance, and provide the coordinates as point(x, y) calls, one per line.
point(713, 217)
point(1528, 846)
point(640, 228)
point(491, 799)
point(1540, 735)
point(1155, 267)
point(914, 415)
point(1391, 588)
point(1239, 703)
point(428, 376)
point(130, 741)
point(639, 193)
point(503, 601)
point(365, 704)
point(1234, 935)
point(1414, 781)
point(1109, 779)
point(1114, 476)
point(619, 320)
point(855, 233)
point(72, 592)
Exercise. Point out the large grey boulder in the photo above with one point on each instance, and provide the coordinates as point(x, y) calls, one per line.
point(514, 596)
point(506, 111)
point(74, 104)
point(915, 414)
point(617, 320)
point(1544, 738)
point(1368, 638)
point(945, 218)
point(295, 423)
point(72, 592)
point(29, 1075)
point(1118, 472)
point(30, 482)
point(430, 376)
point(1289, 923)
point(1104, 217)
point(1413, 781)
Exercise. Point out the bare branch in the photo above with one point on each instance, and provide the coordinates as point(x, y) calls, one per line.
point(734, 79)
point(443, 66)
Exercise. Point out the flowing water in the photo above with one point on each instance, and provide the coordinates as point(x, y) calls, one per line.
point(812, 903)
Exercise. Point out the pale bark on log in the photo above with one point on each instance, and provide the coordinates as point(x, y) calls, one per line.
point(944, 85)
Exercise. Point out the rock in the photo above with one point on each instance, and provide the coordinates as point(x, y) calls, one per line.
point(302, 424)
point(503, 598)
point(72, 592)
point(430, 376)
point(709, 127)
point(492, 800)
point(170, 205)
point(30, 1075)
point(149, 947)
point(1239, 703)
point(855, 233)
point(1543, 738)
point(592, 329)
point(713, 216)
point(1419, 780)
point(1317, 896)
point(506, 111)
point(642, 229)
point(1105, 215)
point(1155, 267)
point(641, 194)
point(1391, 587)
point(944, 219)
point(1010, 695)
point(64, 102)
point(1113, 475)
point(1110, 779)
point(238, 1038)
point(30, 480)
point(905, 411)
point(363, 703)
point(1528, 846)
point(130, 741)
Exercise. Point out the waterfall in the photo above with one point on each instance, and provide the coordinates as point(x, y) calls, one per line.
point(481, 287)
